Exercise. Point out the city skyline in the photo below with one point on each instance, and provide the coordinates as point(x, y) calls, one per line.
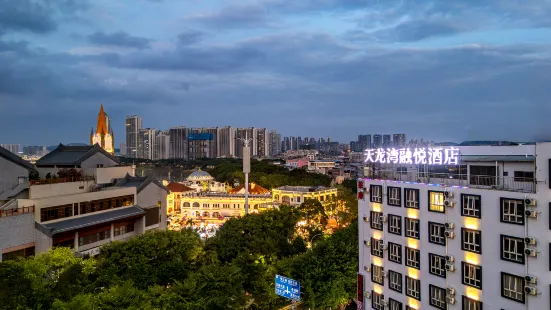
point(318, 68)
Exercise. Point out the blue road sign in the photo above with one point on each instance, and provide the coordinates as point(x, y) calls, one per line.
point(287, 288)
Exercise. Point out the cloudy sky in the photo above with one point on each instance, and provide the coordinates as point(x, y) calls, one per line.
point(440, 70)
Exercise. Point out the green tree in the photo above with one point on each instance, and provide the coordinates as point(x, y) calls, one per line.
point(150, 259)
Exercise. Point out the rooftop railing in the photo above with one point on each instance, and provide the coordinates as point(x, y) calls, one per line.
point(516, 184)
point(62, 180)
point(18, 211)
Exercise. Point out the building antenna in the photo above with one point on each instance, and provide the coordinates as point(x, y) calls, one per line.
point(246, 167)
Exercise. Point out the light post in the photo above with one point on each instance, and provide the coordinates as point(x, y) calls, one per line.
point(246, 167)
point(312, 239)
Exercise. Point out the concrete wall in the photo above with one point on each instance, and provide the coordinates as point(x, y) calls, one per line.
point(9, 173)
point(43, 242)
point(105, 175)
point(98, 159)
point(16, 230)
point(60, 189)
point(150, 196)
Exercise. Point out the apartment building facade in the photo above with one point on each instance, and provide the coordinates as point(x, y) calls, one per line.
point(470, 234)
point(100, 202)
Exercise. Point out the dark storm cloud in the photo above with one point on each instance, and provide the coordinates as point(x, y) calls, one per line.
point(39, 16)
point(120, 39)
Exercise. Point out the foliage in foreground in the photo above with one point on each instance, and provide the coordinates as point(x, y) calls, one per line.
point(177, 270)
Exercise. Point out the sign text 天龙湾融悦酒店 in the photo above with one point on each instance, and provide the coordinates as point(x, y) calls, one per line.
point(417, 156)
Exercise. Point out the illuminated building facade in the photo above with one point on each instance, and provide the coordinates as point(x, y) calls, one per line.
point(471, 235)
point(295, 195)
point(104, 134)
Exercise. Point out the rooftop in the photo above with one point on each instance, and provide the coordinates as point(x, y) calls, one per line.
point(199, 175)
point(65, 155)
point(254, 189)
point(15, 159)
point(174, 187)
point(304, 189)
point(139, 182)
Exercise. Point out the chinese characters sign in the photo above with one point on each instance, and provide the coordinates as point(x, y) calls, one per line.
point(287, 288)
point(360, 295)
point(417, 156)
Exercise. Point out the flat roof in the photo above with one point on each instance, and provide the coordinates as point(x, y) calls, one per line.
point(500, 158)
point(90, 220)
point(304, 189)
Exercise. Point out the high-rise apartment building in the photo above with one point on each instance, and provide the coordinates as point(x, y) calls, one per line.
point(133, 126)
point(399, 140)
point(225, 142)
point(162, 145)
point(202, 143)
point(250, 133)
point(377, 141)
point(387, 141)
point(275, 143)
point(469, 231)
point(147, 143)
point(14, 148)
point(262, 142)
point(364, 142)
point(178, 142)
point(122, 149)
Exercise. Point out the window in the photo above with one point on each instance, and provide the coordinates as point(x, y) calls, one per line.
point(412, 198)
point(57, 212)
point(524, 176)
point(512, 211)
point(436, 233)
point(512, 249)
point(470, 205)
point(472, 275)
point(123, 228)
point(437, 297)
point(413, 258)
point(395, 224)
point(376, 220)
point(377, 274)
point(471, 240)
point(512, 287)
point(412, 228)
point(483, 175)
point(395, 252)
point(376, 249)
point(94, 237)
point(14, 255)
point(394, 304)
point(376, 193)
point(413, 288)
point(437, 265)
point(395, 281)
point(471, 304)
point(436, 201)
point(394, 196)
point(377, 301)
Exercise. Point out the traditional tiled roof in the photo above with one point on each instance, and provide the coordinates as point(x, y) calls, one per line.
point(254, 189)
point(139, 182)
point(178, 188)
point(15, 159)
point(65, 155)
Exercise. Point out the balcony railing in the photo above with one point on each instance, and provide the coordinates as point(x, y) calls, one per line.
point(525, 185)
point(62, 180)
point(19, 211)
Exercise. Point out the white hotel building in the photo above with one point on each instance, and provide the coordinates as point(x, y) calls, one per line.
point(472, 236)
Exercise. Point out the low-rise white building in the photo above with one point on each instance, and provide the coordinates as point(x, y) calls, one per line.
point(92, 207)
point(473, 234)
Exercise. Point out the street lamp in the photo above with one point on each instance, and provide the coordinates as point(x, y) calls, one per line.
point(246, 167)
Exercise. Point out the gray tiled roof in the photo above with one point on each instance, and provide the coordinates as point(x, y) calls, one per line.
point(139, 182)
point(15, 159)
point(65, 155)
point(94, 219)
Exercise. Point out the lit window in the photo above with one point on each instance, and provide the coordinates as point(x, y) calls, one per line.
point(436, 201)
point(394, 304)
point(376, 220)
point(471, 304)
point(377, 301)
point(437, 265)
point(376, 247)
point(377, 274)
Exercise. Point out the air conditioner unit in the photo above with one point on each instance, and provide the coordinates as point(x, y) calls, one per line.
point(367, 295)
point(531, 290)
point(382, 247)
point(530, 202)
point(449, 203)
point(531, 213)
point(531, 252)
point(384, 218)
point(531, 279)
point(450, 291)
point(366, 219)
point(449, 234)
point(367, 242)
point(367, 268)
point(448, 194)
point(385, 303)
point(450, 267)
point(450, 258)
point(530, 240)
point(385, 274)
point(449, 225)
point(450, 300)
